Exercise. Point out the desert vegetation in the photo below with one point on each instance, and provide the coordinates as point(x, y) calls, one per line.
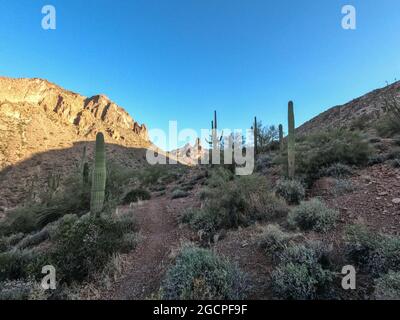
point(298, 214)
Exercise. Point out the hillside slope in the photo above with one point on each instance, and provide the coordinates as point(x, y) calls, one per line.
point(369, 107)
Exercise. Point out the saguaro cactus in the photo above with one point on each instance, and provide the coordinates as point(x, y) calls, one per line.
point(291, 141)
point(280, 135)
point(255, 131)
point(99, 177)
point(214, 139)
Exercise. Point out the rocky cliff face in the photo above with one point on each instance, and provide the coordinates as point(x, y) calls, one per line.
point(367, 108)
point(36, 115)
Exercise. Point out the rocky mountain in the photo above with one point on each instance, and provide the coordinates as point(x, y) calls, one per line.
point(366, 108)
point(36, 115)
point(189, 154)
point(45, 128)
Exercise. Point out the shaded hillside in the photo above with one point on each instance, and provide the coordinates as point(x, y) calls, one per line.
point(25, 180)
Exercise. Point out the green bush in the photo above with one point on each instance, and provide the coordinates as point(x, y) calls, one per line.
point(342, 186)
point(263, 162)
point(153, 174)
point(135, 195)
point(321, 150)
point(374, 253)
point(274, 241)
point(199, 274)
point(241, 201)
point(7, 242)
point(291, 190)
point(20, 264)
point(178, 193)
point(387, 287)
point(313, 215)
point(33, 239)
point(388, 126)
point(219, 176)
point(337, 170)
point(15, 290)
point(395, 163)
point(84, 245)
point(304, 273)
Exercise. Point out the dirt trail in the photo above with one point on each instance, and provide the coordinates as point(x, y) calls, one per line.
point(148, 262)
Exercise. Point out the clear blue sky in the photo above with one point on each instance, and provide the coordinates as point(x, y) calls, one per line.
point(181, 59)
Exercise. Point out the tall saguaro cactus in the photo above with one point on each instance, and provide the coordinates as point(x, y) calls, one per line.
point(255, 131)
point(280, 135)
point(291, 141)
point(214, 139)
point(99, 176)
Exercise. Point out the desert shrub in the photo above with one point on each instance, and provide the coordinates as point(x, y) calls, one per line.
point(321, 150)
point(84, 245)
point(263, 161)
point(361, 123)
point(387, 128)
point(374, 253)
point(151, 175)
point(387, 287)
point(376, 159)
point(178, 193)
point(241, 201)
point(6, 242)
point(33, 239)
point(20, 264)
point(219, 176)
point(207, 220)
point(337, 170)
point(265, 206)
point(274, 241)
point(16, 289)
point(395, 163)
point(135, 195)
point(313, 215)
point(342, 186)
point(393, 154)
point(375, 140)
point(199, 274)
point(305, 272)
point(291, 190)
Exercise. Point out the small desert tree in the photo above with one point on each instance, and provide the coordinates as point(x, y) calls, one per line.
point(266, 135)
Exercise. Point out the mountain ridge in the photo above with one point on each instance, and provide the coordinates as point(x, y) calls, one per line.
point(37, 115)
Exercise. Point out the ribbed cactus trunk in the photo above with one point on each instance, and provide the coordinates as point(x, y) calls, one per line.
point(291, 141)
point(280, 136)
point(255, 131)
point(99, 177)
